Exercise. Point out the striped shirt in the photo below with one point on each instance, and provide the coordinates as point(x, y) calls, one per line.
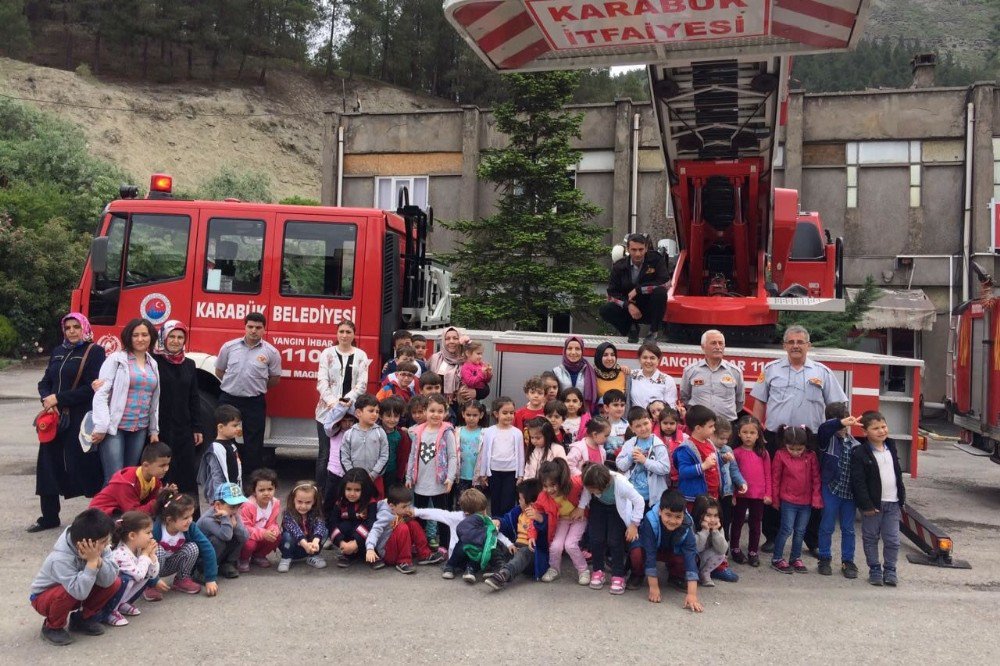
point(141, 382)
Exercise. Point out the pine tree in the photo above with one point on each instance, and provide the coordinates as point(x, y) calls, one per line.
point(538, 254)
point(834, 329)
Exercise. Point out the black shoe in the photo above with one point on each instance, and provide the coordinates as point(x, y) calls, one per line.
point(753, 560)
point(737, 556)
point(469, 576)
point(824, 568)
point(497, 581)
point(633, 334)
point(227, 570)
point(40, 526)
point(434, 558)
point(58, 637)
point(889, 578)
point(89, 626)
point(849, 569)
point(634, 582)
point(198, 576)
point(768, 547)
point(405, 568)
point(812, 550)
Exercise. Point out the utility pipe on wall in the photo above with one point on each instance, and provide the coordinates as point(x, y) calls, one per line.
point(633, 222)
point(340, 166)
point(970, 123)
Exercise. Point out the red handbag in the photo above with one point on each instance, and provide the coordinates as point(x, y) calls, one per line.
point(46, 425)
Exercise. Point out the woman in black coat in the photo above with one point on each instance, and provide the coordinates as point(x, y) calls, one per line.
point(63, 468)
point(179, 412)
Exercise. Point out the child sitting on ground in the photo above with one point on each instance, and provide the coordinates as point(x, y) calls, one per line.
point(352, 515)
point(667, 535)
point(710, 541)
point(475, 374)
point(220, 461)
point(261, 520)
point(134, 551)
point(303, 529)
point(644, 458)
point(78, 575)
point(136, 488)
point(476, 548)
point(181, 545)
point(393, 539)
point(590, 448)
point(224, 529)
point(528, 555)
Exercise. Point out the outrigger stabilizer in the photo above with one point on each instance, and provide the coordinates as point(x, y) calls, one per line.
point(929, 538)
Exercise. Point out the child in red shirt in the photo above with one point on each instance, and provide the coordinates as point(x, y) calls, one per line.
point(534, 391)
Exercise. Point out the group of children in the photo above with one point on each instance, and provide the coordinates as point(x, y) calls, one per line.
point(617, 489)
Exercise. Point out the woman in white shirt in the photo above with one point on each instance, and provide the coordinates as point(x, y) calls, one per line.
point(648, 383)
point(341, 377)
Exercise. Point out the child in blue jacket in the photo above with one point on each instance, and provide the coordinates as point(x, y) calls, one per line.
point(667, 534)
point(835, 446)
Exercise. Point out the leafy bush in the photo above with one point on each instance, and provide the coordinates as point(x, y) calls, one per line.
point(8, 337)
point(298, 200)
point(245, 186)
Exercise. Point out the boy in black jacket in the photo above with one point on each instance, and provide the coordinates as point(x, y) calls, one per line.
point(877, 483)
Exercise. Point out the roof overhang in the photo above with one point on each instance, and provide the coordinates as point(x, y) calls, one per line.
point(908, 309)
point(536, 35)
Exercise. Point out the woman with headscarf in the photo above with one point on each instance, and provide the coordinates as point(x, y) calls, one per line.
point(448, 363)
point(609, 373)
point(180, 413)
point(63, 468)
point(574, 371)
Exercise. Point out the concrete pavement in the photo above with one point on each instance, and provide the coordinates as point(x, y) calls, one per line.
point(379, 617)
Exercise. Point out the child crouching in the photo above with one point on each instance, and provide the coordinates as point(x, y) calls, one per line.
point(710, 541)
point(180, 545)
point(528, 554)
point(303, 529)
point(135, 554)
point(479, 540)
point(667, 535)
point(224, 529)
point(393, 539)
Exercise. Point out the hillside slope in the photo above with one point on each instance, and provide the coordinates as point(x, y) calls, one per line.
point(193, 130)
point(966, 28)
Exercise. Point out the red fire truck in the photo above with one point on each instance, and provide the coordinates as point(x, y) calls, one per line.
point(210, 263)
point(718, 71)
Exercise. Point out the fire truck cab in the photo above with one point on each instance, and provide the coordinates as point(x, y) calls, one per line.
point(306, 268)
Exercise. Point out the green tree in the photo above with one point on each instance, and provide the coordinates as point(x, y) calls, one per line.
point(17, 37)
point(538, 254)
point(833, 330)
point(245, 186)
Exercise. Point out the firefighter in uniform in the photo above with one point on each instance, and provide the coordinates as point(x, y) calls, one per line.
point(713, 381)
point(793, 391)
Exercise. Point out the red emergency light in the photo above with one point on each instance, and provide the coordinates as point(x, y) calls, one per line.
point(162, 183)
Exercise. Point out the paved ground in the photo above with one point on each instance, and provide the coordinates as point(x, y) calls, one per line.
point(329, 615)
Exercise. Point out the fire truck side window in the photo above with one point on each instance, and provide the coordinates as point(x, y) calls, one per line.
point(106, 288)
point(157, 248)
point(318, 259)
point(234, 256)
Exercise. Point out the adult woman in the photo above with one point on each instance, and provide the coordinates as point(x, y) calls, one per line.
point(342, 376)
point(574, 371)
point(127, 404)
point(63, 468)
point(180, 416)
point(609, 374)
point(448, 363)
point(648, 383)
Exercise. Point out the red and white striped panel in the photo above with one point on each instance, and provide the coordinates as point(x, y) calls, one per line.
point(504, 32)
point(819, 23)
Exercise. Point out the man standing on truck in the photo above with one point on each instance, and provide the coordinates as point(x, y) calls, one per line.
point(247, 367)
point(713, 381)
point(637, 290)
point(793, 391)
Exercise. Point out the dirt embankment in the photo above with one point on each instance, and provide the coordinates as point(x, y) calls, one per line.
point(192, 130)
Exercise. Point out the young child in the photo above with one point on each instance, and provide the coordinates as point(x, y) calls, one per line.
point(416, 410)
point(575, 421)
point(478, 540)
point(339, 420)
point(877, 483)
point(303, 529)
point(180, 545)
point(365, 445)
point(352, 515)
point(393, 539)
point(542, 446)
point(260, 520)
point(433, 465)
point(402, 383)
point(400, 340)
point(835, 447)
point(391, 410)
point(613, 521)
point(696, 459)
point(615, 402)
point(555, 414)
point(667, 534)
point(516, 524)
point(404, 355)
point(534, 391)
point(136, 488)
point(656, 408)
point(220, 461)
point(431, 383)
point(78, 575)
point(419, 343)
point(731, 478)
point(565, 525)
point(501, 462)
point(470, 443)
point(644, 458)
point(591, 447)
point(134, 551)
point(755, 465)
point(475, 373)
point(795, 478)
point(550, 386)
point(710, 541)
point(671, 431)
point(224, 529)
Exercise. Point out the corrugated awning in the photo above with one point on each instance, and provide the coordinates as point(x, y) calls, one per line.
point(523, 35)
point(909, 309)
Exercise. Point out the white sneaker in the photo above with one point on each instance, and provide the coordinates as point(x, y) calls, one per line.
point(706, 581)
point(316, 562)
point(550, 575)
point(584, 578)
point(284, 564)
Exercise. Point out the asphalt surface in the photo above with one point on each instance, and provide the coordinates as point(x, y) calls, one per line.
point(333, 614)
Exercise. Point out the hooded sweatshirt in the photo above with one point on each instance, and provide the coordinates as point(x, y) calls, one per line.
point(124, 493)
point(64, 566)
point(368, 449)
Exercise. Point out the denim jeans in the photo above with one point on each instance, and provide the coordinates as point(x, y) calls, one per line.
point(290, 548)
point(836, 508)
point(794, 518)
point(883, 525)
point(123, 449)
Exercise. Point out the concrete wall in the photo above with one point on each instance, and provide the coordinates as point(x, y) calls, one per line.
point(447, 145)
